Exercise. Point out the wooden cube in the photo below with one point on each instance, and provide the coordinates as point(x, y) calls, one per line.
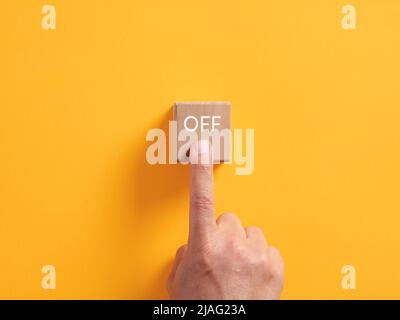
point(209, 120)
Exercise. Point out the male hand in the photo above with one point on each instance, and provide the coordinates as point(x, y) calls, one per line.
point(222, 260)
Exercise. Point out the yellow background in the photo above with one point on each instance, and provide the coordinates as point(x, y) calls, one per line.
point(76, 103)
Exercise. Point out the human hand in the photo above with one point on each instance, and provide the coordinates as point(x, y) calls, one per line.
point(222, 260)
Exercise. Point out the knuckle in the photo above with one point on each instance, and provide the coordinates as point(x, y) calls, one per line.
point(275, 253)
point(202, 200)
point(276, 266)
point(254, 229)
point(228, 217)
point(239, 250)
point(257, 229)
point(262, 260)
point(277, 272)
point(258, 259)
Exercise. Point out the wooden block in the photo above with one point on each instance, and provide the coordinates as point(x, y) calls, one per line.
point(209, 120)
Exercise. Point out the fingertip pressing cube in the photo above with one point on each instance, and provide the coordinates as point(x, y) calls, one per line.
point(208, 120)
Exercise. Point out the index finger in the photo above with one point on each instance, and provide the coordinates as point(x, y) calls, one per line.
point(201, 215)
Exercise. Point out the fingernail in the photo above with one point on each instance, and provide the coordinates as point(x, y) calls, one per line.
point(204, 152)
point(200, 153)
point(204, 147)
point(193, 154)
